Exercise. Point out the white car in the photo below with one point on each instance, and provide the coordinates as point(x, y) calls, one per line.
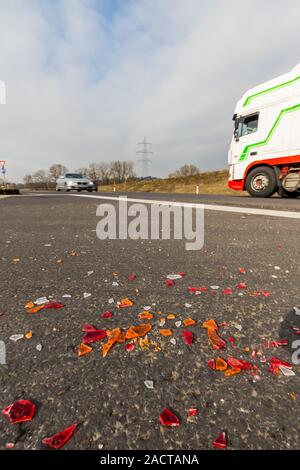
point(75, 182)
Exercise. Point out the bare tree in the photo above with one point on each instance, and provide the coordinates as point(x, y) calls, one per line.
point(185, 170)
point(83, 171)
point(116, 168)
point(127, 170)
point(56, 170)
point(28, 180)
point(104, 172)
point(41, 180)
point(40, 176)
point(95, 171)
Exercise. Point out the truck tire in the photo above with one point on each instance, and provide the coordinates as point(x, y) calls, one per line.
point(261, 182)
point(287, 194)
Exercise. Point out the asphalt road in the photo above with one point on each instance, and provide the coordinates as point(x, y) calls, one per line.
point(241, 201)
point(107, 396)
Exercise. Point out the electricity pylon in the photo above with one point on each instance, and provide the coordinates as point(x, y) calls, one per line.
point(145, 152)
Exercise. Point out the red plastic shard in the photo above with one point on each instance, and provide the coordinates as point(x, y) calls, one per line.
point(181, 273)
point(220, 442)
point(266, 293)
point(20, 411)
point(231, 339)
point(192, 412)
point(188, 337)
point(228, 291)
point(275, 362)
point(238, 363)
point(87, 328)
point(169, 282)
point(9, 445)
point(283, 342)
point(132, 277)
point(129, 347)
point(242, 270)
point(107, 315)
point(61, 438)
point(94, 336)
point(53, 305)
point(212, 364)
point(194, 290)
point(241, 285)
point(168, 418)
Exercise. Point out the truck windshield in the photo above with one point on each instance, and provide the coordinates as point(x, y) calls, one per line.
point(245, 125)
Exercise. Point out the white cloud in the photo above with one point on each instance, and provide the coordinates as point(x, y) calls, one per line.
point(82, 87)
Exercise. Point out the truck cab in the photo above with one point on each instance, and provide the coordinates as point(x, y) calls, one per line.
point(264, 155)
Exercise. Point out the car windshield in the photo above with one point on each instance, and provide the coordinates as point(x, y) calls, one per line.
point(73, 175)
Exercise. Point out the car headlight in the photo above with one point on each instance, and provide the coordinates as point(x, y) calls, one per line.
point(91, 183)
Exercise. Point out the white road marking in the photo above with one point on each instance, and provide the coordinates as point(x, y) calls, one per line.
point(209, 207)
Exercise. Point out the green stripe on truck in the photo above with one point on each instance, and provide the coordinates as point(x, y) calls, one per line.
point(269, 90)
point(273, 129)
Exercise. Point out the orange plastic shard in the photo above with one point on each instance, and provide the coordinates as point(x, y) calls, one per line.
point(171, 316)
point(138, 331)
point(221, 364)
point(35, 309)
point(189, 322)
point(210, 325)
point(215, 340)
point(146, 316)
point(166, 332)
point(212, 330)
point(145, 344)
point(113, 338)
point(83, 349)
point(29, 305)
point(231, 372)
point(125, 303)
point(29, 335)
point(122, 337)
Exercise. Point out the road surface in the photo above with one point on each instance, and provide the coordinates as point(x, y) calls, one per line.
point(107, 396)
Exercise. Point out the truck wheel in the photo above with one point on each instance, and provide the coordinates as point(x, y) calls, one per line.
point(287, 194)
point(261, 182)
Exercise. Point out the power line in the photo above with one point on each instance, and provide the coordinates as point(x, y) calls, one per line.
point(145, 152)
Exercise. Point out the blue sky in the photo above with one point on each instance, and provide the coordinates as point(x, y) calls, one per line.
point(87, 79)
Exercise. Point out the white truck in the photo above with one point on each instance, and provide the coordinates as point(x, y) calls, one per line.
point(264, 155)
